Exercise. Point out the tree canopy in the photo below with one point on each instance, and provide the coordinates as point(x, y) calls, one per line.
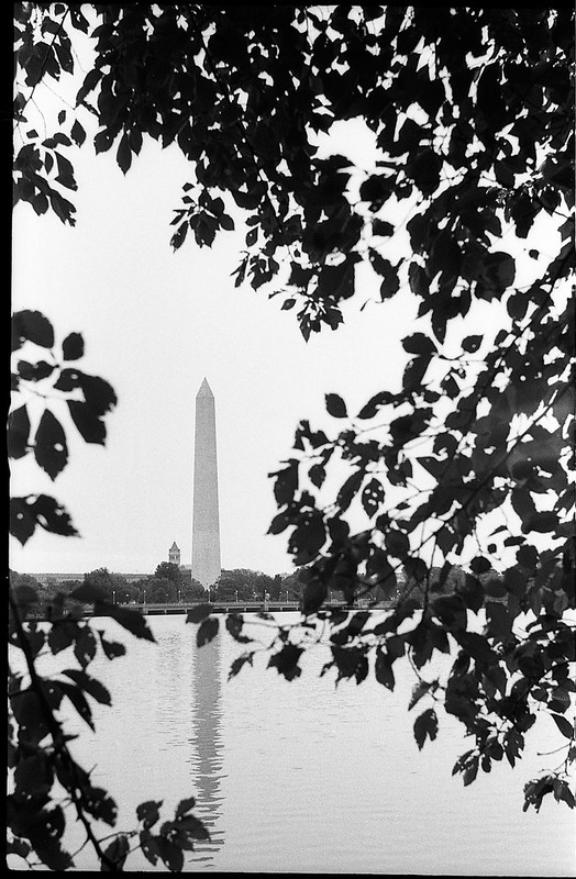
point(468, 464)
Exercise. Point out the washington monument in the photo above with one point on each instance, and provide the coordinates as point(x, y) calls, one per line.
point(206, 523)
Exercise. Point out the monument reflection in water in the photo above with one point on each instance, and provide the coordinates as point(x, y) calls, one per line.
point(206, 747)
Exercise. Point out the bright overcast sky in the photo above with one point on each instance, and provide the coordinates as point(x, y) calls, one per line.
point(155, 324)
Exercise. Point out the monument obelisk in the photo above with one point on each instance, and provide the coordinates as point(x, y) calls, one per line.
point(205, 522)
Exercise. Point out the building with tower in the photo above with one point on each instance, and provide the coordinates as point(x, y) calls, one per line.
point(174, 554)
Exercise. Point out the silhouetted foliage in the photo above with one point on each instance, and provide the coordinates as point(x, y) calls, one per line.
point(472, 113)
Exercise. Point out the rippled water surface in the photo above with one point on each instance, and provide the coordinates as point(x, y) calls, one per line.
point(294, 777)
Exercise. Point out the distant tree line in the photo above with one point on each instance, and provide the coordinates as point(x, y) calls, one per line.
point(170, 583)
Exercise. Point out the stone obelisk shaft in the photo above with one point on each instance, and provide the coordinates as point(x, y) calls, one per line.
point(206, 523)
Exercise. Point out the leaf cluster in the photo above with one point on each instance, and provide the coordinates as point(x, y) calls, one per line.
point(88, 398)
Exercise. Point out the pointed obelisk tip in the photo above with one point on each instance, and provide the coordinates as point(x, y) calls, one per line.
point(205, 390)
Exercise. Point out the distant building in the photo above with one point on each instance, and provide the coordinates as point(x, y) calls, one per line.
point(174, 555)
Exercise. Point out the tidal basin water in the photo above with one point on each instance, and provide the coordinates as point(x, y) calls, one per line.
point(303, 777)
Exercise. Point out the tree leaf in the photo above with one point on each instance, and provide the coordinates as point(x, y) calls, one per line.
point(73, 347)
point(313, 596)
point(90, 685)
point(477, 646)
point(18, 432)
point(238, 663)
point(335, 406)
point(370, 409)
point(372, 496)
point(500, 270)
point(285, 661)
point(286, 484)
point(52, 516)
point(426, 725)
point(207, 631)
point(381, 227)
point(116, 852)
point(103, 140)
point(85, 646)
point(50, 448)
point(472, 343)
point(418, 280)
point(78, 700)
point(397, 543)
point(199, 613)
point(149, 846)
point(185, 806)
point(349, 489)
point(131, 620)
point(31, 326)
point(391, 283)
point(543, 522)
point(148, 813)
point(414, 373)
point(383, 669)
point(564, 725)
point(98, 393)
point(91, 428)
point(191, 828)
point(112, 649)
point(420, 689)
point(418, 343)
point(124, 154)
point(234, 624)
point(34, 372)
point(307, 538)
point(77, 133)
point(170, 853)
point(317, 474)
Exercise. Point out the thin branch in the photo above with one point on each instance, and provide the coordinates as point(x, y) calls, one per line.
point(56, 732)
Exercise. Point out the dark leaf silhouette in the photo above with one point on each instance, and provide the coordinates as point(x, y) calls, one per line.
point(198, 614)
point(27, 512)
point(420, 689)
point(131, 620)
point(31, 326)
point(336, 406)
point(116, 853)
point(18, 432)
point(73, 347)
point(383, 670)
point(285, 661)
point(372, 496)
point(149, 813)
point(91, 428)
point(564, 725)
point(207, 631)
point(425, 726)
point(50, 448)
point(90, 685)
